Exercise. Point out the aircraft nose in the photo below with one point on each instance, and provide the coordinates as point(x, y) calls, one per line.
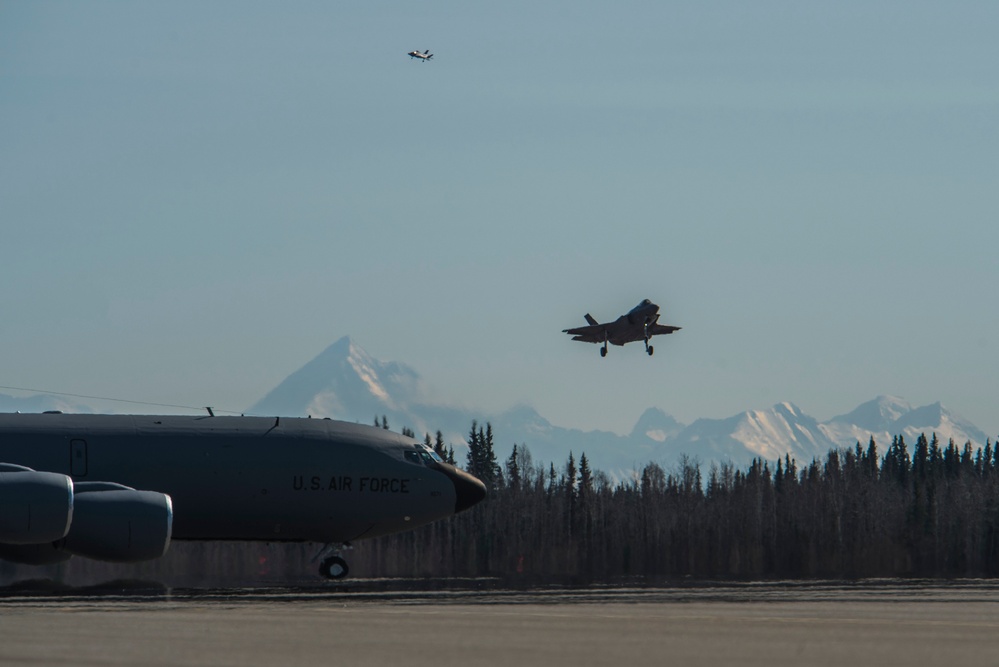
point(468, 490)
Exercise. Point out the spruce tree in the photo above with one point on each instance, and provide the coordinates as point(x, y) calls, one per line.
point(490, 468)
point(921, 458)
point(513, 470)
point(474, 461)
point(570, 477)
point(585, 477)
point(870, 464)
point(439, 447)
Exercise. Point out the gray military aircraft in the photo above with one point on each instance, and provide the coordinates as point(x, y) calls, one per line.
point(425, 56)
point(121, 487)
point(641, 323)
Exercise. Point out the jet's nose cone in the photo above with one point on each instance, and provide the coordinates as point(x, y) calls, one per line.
point(468, 490)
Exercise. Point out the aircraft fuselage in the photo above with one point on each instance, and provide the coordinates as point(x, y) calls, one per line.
point(250, 478)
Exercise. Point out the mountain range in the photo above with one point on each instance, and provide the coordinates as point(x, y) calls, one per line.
point(344, 382)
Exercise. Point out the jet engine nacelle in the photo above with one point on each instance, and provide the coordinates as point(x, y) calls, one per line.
point(114, 522)
point(35, 507)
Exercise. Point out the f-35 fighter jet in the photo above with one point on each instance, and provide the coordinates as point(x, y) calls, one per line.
point(641, 323)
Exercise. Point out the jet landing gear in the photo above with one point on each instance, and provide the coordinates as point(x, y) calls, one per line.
point(648, 348)
point(332, 566)
point(603, 350)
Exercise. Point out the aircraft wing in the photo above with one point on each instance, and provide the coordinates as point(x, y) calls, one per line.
point(657, 329)
point(595, 333)
point(618, 332)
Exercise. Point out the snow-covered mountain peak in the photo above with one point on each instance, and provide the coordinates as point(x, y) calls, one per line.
point(341, 381)
point(782, 429)
point(340, 355)
point(787, 410)
point(887, 416)
point(935, 418)
point(656, 425)
point(876, 415)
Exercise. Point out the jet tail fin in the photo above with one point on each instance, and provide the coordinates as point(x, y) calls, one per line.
point(590, 320)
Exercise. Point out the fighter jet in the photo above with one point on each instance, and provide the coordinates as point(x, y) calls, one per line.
point(425, 56)
point(121, 487)
point(641, 323)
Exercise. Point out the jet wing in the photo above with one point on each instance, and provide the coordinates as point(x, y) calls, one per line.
point(595, 333)
point(657, 329)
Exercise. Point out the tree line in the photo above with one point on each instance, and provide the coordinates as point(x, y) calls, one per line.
point(929, 512)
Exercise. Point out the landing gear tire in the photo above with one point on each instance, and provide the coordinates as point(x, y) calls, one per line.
point(603, 351)
point(650, 350)
point(333, 567)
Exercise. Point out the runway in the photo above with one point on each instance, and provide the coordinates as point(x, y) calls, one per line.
point(871, 623)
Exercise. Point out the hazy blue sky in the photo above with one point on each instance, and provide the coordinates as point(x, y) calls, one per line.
point(196, 198)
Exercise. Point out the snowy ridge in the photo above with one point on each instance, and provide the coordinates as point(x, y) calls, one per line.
point(770, 434)
point(888, 416)
point(875, 416)
point(344, 382)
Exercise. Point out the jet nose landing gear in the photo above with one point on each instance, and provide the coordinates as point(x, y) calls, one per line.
point(332, 565)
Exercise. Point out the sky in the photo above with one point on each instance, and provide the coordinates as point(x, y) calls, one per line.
point(197, 198)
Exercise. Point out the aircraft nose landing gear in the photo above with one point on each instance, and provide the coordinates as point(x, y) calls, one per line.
point(332, 565)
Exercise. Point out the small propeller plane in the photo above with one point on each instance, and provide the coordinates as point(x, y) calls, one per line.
point(641, 323)
point(425, 56)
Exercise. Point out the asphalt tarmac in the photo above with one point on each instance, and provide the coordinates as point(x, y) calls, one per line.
point(868, 623)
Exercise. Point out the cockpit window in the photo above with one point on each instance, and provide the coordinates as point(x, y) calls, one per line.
point(431, 453)
point(423, 455)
